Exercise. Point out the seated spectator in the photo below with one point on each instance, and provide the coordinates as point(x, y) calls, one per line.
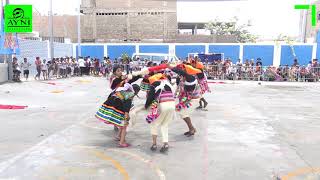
point(295, 63)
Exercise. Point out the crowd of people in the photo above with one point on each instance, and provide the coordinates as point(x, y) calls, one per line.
point(63, 67)
point(250, 70)
point(221, 69)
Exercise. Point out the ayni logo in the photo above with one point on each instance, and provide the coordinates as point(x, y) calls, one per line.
point(18, 18)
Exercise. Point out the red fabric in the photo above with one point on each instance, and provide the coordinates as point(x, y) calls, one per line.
point(157, 68)
point(12, 107)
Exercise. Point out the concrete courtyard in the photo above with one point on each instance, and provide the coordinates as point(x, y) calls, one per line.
point(251, 132)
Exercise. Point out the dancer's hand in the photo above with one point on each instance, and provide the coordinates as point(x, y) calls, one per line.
point(126, 116)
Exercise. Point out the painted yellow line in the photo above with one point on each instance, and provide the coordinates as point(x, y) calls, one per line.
point(57, 91)
point(300, 172)
point(148, 162)
point(133, 155)
point(114, 162)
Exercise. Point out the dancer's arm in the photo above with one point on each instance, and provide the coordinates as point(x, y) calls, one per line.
point(134, 79)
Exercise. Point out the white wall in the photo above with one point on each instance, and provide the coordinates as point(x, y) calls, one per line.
point(3, 72)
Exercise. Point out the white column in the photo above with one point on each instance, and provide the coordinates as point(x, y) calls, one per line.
point(137, 48)
point(241, 53)
point(314, 51)
point(105, 50)
point(172, 50)
point(206, 48)
point(74, 50)
point(277, 54)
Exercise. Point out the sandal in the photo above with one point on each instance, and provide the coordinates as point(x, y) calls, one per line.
point(205, 104)
point(125, 145)
point(191, 133)
point(164, 148)
point(153, 147)
point(186, 133)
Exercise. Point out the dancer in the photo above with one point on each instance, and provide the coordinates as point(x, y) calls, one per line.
point(188, 94)
point(118, 80)
point(115, 110)
point(202, 80)
point(161, 99)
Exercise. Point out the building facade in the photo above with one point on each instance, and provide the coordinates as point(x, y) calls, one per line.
point(128, 20)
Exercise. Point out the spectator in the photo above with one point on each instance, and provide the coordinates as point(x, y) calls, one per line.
point(38, 67)
point(16, 70)
point(295, 63)
point(25, 66)
point(44, 69)
point(82, 65)
point(96, 67)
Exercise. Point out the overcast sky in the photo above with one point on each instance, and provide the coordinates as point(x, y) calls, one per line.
point(268, 17)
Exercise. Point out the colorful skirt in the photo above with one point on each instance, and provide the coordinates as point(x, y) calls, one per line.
point(110, 114)
point(204, 86)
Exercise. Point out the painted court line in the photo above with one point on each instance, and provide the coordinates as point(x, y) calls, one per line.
point(135, 156)
point(115, 163)
point(6, 164)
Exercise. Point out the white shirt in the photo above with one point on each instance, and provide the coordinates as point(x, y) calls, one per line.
point(25, 66)
point(81, 63)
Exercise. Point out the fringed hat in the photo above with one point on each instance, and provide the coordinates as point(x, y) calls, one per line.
point(156, 77)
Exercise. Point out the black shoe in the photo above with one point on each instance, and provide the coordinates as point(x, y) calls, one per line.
point(153, 147)
point(164, 148)
point(205, 104)
point(199, 107)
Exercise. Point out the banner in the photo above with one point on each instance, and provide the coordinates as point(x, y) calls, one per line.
point(9, 43)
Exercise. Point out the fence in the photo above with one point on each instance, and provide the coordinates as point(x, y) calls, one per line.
point(31, 49)
point(263, 73)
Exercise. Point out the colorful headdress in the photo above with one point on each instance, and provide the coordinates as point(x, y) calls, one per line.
point(191, 70)
point(156, 77)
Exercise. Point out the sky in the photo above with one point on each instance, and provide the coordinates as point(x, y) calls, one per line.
point(269, 18)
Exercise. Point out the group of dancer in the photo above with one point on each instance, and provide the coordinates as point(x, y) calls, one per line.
point(160, 98)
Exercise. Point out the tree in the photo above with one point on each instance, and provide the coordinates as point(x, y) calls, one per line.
point(289, 40)
point(232, 27)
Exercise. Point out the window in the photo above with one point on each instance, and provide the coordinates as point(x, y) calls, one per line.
point(112, 14)
point(97, 14)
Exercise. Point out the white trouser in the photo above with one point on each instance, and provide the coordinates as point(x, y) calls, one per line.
point(167, 110)
point(187, 112)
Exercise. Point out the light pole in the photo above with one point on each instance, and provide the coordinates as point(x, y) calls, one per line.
point(79, 31)
point(51, 31)
point(9, 60)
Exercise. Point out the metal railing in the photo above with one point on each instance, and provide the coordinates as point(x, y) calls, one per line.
point(264, 73)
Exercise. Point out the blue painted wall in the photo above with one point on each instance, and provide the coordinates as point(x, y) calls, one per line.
point(154, 49)
point(303, 53)
point(183, 50)
point(230, 51)
point(96, 51)
point(318, 51)
point(265, 52)
point(115, 51)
